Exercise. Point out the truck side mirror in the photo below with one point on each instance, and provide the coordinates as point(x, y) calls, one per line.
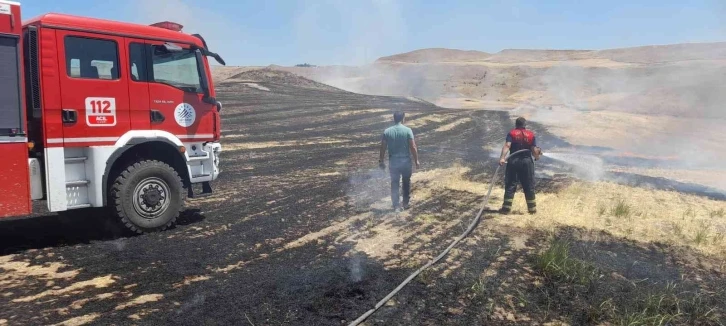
point(207, 98)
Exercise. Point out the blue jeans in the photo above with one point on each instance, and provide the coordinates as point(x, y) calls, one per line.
point(400, 168)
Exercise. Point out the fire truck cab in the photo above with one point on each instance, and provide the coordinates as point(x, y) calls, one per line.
point(98, 113)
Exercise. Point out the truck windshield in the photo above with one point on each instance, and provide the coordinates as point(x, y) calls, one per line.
point(177, 69)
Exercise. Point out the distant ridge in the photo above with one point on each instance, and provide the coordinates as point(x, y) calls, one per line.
point(274, 75)
point(639, 54)
point(436, 55)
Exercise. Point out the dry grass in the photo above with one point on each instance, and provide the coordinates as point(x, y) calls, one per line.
point(257, 86)
point(416, 122)
point(356, 112)
point(75, 288)
point(82, 320)
point(140, 300)
point(639, 214)
point(635, 213)
point(451, 126)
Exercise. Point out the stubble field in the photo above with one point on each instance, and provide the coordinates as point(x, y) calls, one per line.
point(300, 232)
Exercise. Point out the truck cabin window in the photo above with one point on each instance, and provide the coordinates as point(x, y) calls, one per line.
point(137, 60)
point(91, 58)
point(10, 111)
point(177, 69)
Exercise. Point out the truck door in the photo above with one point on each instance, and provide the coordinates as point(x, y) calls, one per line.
point(95, 98)
point(176, 89)
point(139, 110)
point(14, 179)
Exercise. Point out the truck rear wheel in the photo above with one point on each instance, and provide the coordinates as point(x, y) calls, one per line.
point(147, 196)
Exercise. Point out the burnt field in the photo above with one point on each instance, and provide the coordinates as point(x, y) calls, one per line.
point(300, 232)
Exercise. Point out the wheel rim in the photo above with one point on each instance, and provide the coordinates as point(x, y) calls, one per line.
point(151, 198)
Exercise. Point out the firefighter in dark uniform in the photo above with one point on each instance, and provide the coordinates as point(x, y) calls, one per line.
point(520, 167)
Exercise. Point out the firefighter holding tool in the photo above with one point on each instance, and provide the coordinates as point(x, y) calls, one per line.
point(520, 167)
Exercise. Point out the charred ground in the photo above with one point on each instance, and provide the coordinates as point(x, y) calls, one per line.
point(299, 232)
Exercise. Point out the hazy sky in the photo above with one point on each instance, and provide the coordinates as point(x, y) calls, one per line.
point(266, 32)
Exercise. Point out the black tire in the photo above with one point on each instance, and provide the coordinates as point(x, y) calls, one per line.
point(152, 176)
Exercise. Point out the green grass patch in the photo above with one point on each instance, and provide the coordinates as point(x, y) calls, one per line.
point(555, 263)
point(621, 209)
point(603, 302)
point(479, 287)
point(702, 234)
point(427, 218)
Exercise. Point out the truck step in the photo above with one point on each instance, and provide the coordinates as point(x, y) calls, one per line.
point(198, 157)
point(79, 206)
point(76, 159)
point(76, 183)
point(201, 175)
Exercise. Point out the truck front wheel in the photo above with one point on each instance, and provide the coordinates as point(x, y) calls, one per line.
point(147, 196)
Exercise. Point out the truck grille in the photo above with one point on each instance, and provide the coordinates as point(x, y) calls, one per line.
point(32, 72)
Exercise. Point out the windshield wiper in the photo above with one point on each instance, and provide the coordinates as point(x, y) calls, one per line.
point(206, 52)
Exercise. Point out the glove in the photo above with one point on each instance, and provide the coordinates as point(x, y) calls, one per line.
point(536, 152)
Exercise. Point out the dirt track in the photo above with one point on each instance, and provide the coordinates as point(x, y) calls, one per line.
point(287, 237)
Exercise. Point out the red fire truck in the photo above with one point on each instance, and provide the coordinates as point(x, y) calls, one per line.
point(98, 113)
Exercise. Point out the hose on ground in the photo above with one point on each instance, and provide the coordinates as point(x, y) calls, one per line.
point(466, 233)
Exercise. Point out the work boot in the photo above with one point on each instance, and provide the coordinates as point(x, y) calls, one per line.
point(505, 210)
point(532, 206)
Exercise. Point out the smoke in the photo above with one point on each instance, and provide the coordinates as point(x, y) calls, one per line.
point(677, 107)
point(366, 188)
point(584, 166)
point(662, 106)
point(119, 244)
point(196, 301)
point(372, 29)
point(356, 271)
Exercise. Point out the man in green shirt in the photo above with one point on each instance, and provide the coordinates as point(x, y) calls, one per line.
point(398, 140)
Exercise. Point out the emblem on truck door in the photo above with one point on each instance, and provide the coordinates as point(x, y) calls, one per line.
point(185, 115)
point(100, 111)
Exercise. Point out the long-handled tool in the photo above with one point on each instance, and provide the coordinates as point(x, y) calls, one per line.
point(466, 233)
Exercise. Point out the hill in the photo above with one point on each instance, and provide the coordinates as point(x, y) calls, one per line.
point(643, 54)
point(276, 76)
point(436, 55)
point(672, 93)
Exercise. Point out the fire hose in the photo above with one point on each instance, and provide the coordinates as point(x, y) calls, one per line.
point(466, 233)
